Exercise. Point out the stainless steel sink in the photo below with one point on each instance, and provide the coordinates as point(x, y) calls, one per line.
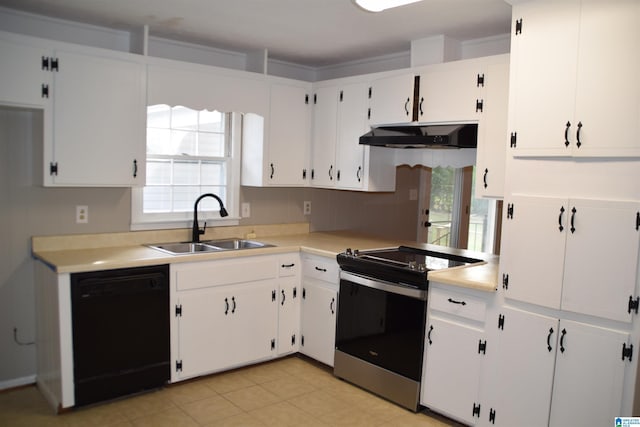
point(186, 248)
point(183, 248)
point(235, 244)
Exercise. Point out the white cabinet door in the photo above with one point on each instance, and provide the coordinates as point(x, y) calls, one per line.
point(532, 254)
point(492, 132)
point(289, 135)
point(589, 375)
point(451, 379)
point(575, 65)
point(601, 260)
point(607, 82)
point(448, 92)
point(318, 329)
point(254, 321)
point(23, 77)
point(204, 332)
point(99, 116)
point(543, 67)
point(522, 374)
point(352, 123)
point(391, 100)
point(226, 326)
point(586, 254)
point(325, 113)
point(289, 316)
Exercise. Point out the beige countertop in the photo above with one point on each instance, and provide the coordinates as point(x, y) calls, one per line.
point(67, 257)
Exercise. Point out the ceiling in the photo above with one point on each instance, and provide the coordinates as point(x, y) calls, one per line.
point(314, 33)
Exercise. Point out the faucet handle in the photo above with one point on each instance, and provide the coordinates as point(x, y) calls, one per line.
point(204, 228)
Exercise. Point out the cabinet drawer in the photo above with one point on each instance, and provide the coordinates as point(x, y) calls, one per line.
point(458, 304)
point(216, 273)
point(320, 268)
point(289, 265)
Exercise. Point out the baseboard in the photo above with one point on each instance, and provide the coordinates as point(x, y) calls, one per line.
point(17, 382)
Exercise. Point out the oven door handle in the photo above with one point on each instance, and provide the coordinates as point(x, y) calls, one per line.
point(394, 288)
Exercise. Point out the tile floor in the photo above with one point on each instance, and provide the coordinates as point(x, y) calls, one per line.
point(293, 391)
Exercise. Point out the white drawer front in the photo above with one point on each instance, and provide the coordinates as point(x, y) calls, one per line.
point(458, 304)
point(289, 265)
point(320, 268)
point(216, 273)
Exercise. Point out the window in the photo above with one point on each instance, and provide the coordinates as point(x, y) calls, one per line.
point(189, 153)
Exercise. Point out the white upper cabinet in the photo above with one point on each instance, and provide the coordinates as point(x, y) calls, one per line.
point(99, 116)
point(94, 109)
point(492, 130)
point(339, 161)
point(26, 77)
point(391, 100)
point(278, 155)
point(325, 133)
point(452, 92)
point(574, 78)
point(588, 250)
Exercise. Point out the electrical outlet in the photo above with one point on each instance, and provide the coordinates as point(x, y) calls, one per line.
point(306, 208)
point(246, 210)
point(82, 214)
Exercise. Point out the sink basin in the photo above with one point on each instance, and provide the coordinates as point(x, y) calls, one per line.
point(185, 248)
point(235, 244)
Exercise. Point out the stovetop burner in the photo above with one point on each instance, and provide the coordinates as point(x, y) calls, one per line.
point(403, 265)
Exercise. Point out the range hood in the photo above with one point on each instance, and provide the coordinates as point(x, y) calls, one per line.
point(423, 136)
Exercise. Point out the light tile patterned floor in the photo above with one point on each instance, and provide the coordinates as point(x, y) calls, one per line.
point(293, 391)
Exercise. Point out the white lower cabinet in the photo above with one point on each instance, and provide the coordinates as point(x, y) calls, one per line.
point(289, 297)
point(455, 351)
point(557, 372)
point(320, 283)
point(225, 314)
point(225, 326)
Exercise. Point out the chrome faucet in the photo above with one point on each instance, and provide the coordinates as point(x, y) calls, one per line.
point(196, 231)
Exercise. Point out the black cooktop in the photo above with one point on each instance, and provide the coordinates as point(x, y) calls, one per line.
point(403, 265)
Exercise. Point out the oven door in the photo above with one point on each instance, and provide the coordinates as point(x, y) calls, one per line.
point(382, 323)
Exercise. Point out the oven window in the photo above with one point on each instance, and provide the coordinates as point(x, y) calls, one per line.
point(382, 328)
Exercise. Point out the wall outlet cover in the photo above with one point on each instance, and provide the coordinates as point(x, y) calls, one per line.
point(82, 214)
point(306, 210)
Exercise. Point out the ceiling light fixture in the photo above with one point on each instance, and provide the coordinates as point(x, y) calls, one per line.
point(380, 5)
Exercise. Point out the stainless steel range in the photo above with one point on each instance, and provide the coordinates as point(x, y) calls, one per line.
point(381, 318)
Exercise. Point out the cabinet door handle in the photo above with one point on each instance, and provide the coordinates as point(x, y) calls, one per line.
point(226, 306)
point(406, 105)
point(135, 168)
point(560, 226)
point(566, 134)
point(563, 333)
point(420, 105)
point(288, 265)
point(358, 173)
point(333, 300)
point(637, 221)
point(484, 177)
point(549, 339)
point(273, 170)
point(233, 301)
point(331, 172)
point(284, 297)
point(429, 334)
point(452, 301)
point(573, 217)
point(323, 270)
point(578, 142)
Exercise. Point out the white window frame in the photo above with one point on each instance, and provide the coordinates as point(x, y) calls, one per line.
point(156, 221)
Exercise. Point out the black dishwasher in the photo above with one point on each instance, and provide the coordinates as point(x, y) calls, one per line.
point(120, 321)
